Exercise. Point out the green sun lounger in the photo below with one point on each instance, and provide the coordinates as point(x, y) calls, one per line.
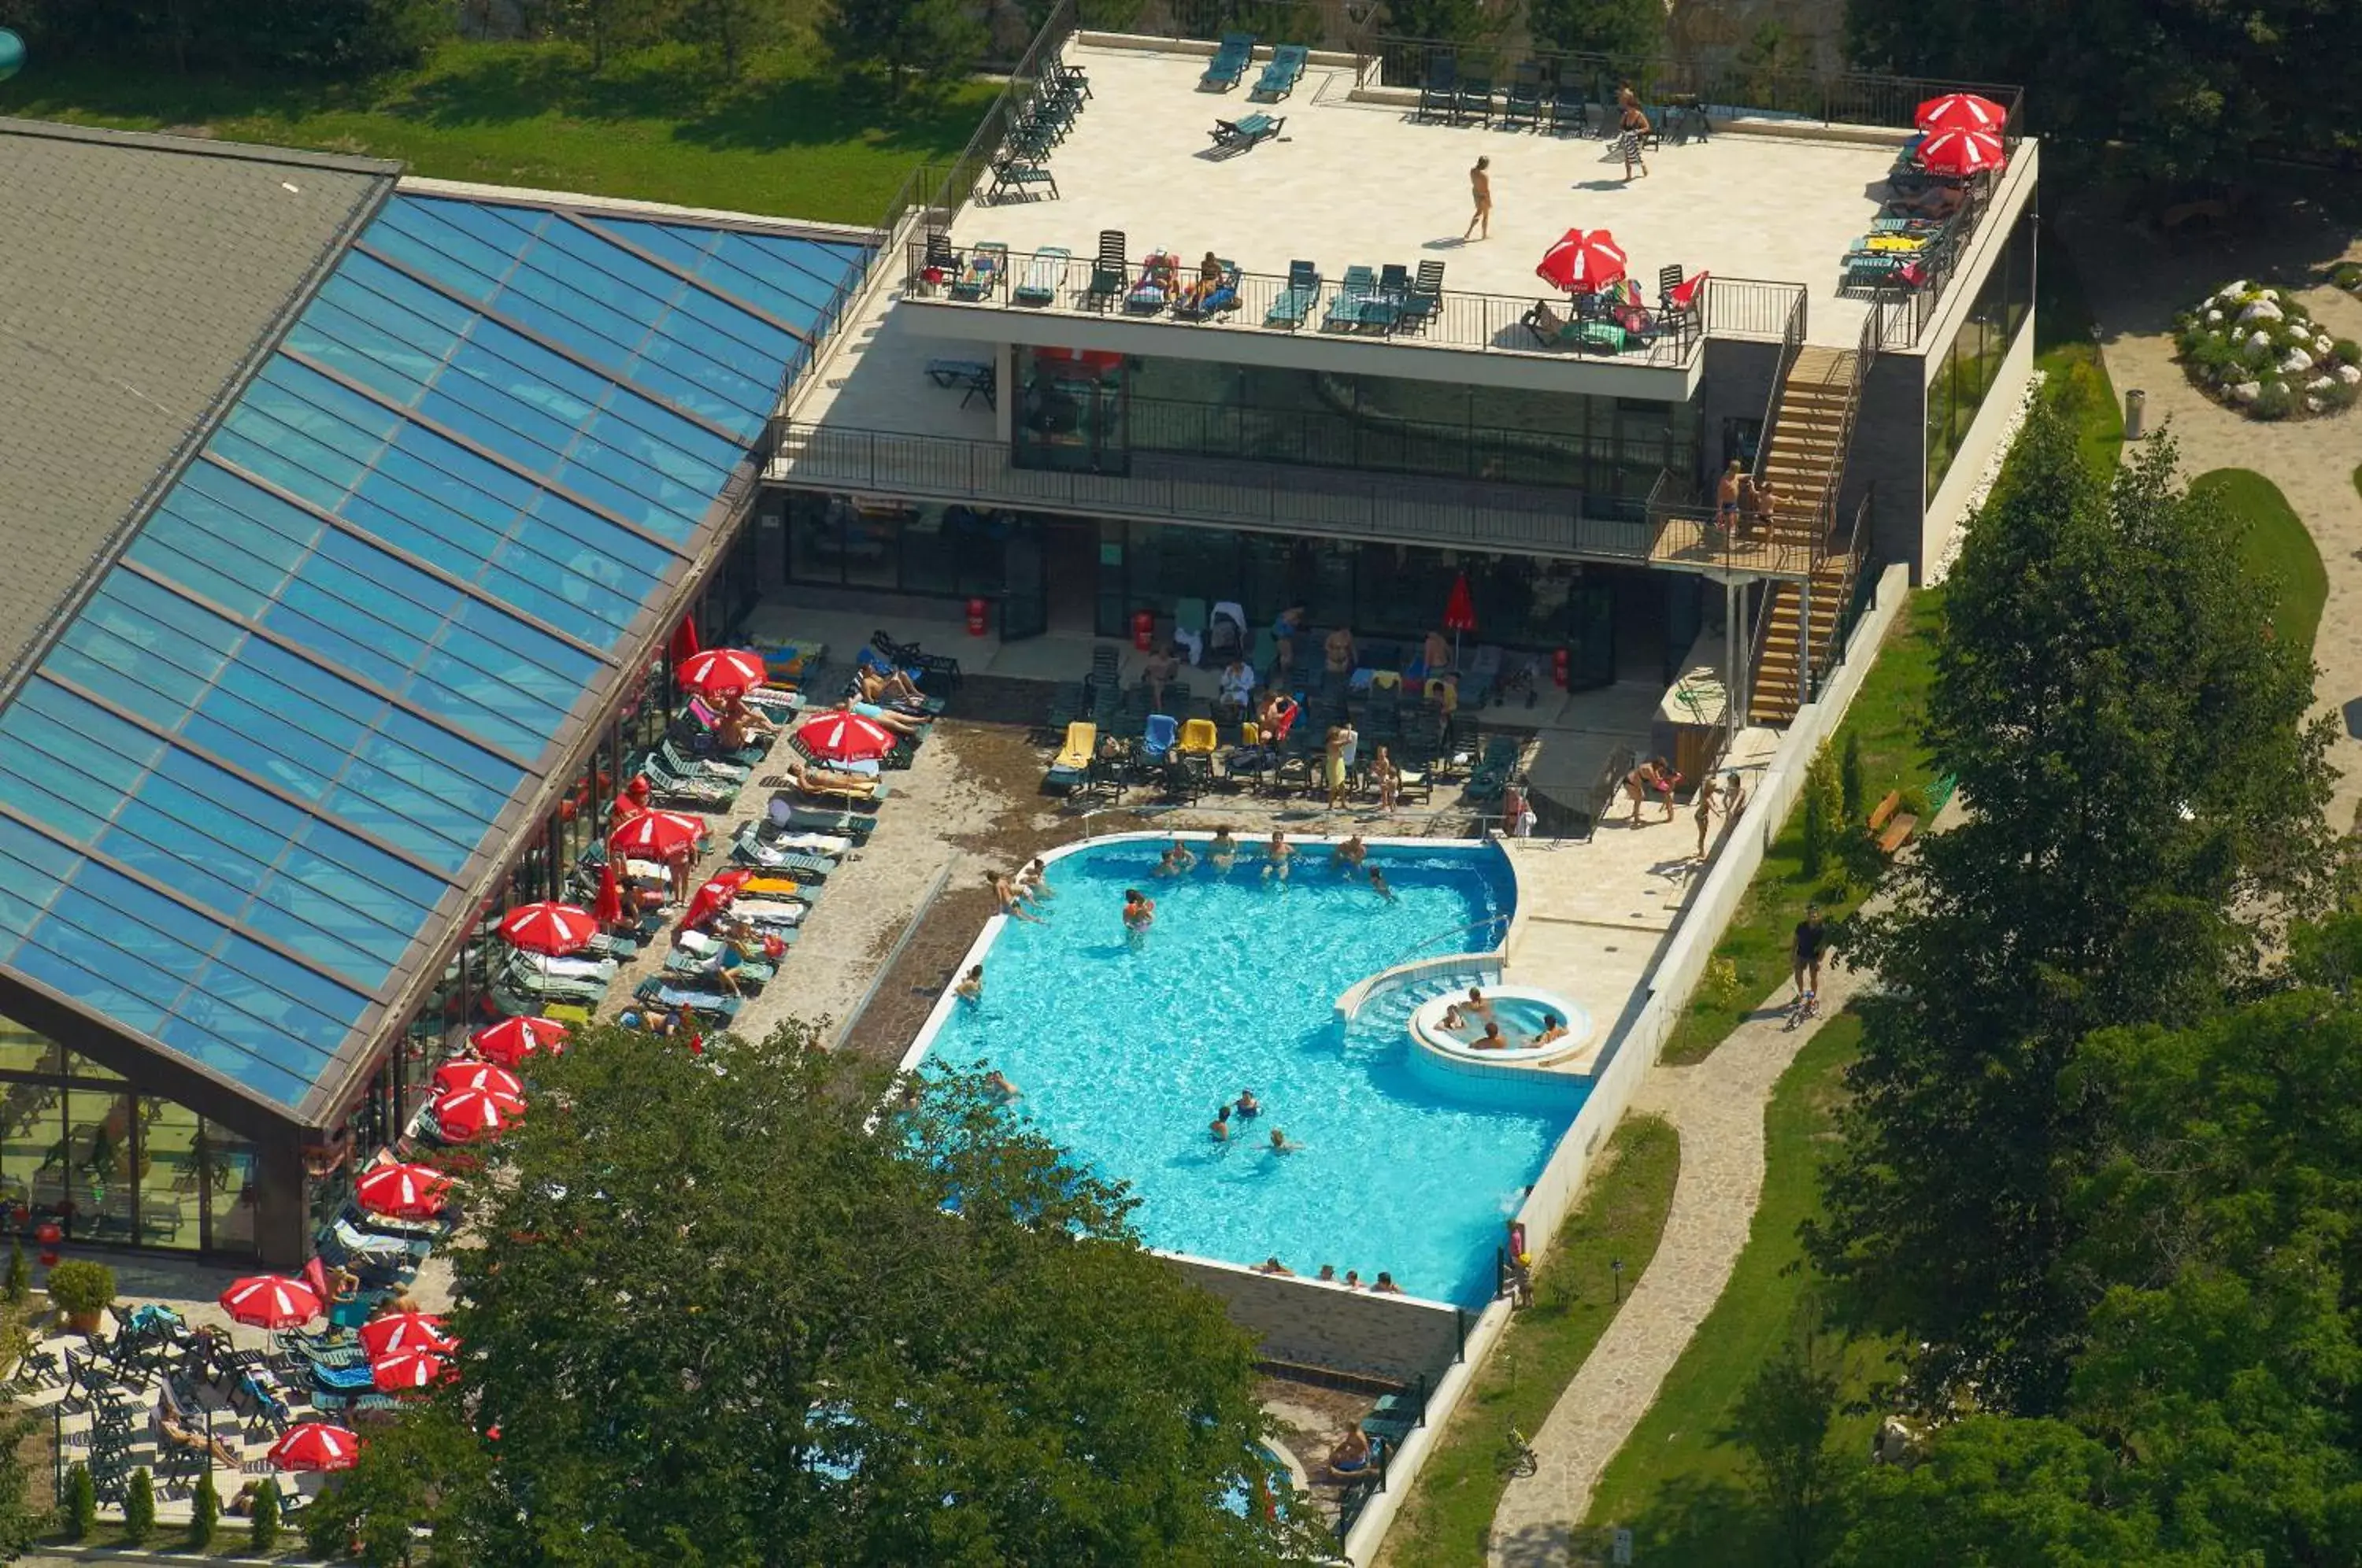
point(1043, 275)
point(1293, 307)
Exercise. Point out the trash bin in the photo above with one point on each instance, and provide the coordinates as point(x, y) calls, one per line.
point(2135, 406)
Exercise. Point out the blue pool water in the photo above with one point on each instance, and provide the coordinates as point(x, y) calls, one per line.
point(1123, 1056)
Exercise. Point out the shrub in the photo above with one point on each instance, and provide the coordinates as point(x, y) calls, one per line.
point(263, 1526)
point(2213, 359)
point(78, 1288)
point(140, 1507)
point(2349, 275)
point(1849, 785)
point(1824, 812)
point(205, 1512)
point(2347, 351)
point(20, 1275)
point(80, 1507)
point(2274, 401)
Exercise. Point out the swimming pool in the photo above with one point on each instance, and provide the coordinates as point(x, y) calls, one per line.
point(1123, 1055)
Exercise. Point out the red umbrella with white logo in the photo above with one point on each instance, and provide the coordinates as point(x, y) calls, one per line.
point(512, 1040)
point(1961, 153)
point(477, 1075)
point(551, 928)
point(1962, 111)
point(657, 835)
point(469, 1115)
point(842, 736)
point(406, 1192)
point(721, 672)
point(316, 1445)
point(398, 1331)
point(1583, 261)
point(408, 1371)
point(271, 1301)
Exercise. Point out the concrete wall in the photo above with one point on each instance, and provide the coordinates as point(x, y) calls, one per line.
point(1890, 450)
point(1313, 1324)
point(1738, 384)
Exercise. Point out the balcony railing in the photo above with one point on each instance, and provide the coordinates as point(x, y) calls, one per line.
point(1338, 503)
point(1051, 283)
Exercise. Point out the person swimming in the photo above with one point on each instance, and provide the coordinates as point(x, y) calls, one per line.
point(1221, 1126)
point(971, 986)
point(1280, 1144)
point(1138, 914)
point(1001, 1089)
point(1034, 881)
point(1248, 1104)
point(1491, 1039)
point(1169, 864)
point(1551, 1030)
point(1278, 855)
point(1477, 1004)
point(1182, 855)
point(1223, 852)
point(1379, 885)
point(1348, 856)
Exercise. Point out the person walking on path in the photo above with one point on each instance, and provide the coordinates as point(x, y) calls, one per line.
point(1809, 945)
point(1480, 187)
point(1628, 142)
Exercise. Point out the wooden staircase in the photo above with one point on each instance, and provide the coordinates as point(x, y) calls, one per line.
point(1803, 460)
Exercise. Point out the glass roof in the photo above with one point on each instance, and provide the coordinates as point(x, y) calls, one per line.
point(258, 771)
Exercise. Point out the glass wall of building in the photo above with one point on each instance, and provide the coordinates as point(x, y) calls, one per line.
point(1972, 363)
point(839, 541)
point(82, 1149)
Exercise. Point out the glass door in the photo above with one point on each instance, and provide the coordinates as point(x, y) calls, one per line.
point(1025, 588)
point(1590, 635)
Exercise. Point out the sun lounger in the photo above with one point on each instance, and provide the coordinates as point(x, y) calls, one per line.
point(667, 787)
point(1043, 272)
point(783, 912)
point(748, 974)
point(786, 816)
point(1295, 302)
point(982, 274)
point(1230, 62)
point(1356, 299)
point(708, 768)
point(1019, 174)
point(1280, 77)
point(599, 969)
point(712, 1006)
point(828, 845)
point(1236, 136)
point(1202, 300)
point(1154, 289)
point(1108, 271)
point(749, 849)
point(1073, 759)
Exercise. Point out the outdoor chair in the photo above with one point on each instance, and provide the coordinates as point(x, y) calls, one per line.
point(1017, 176)
point(1438, 94)
point(1154, 289)
point(1230, 62)
point(939, 263)
point(924, 668)
point(1291, 308)
point(1072, 766)
point(1202, 301)
point(1474, 100)
point(1233, 136)
point(1162, 731)
point(1108, 271)
point(1524, 103)
point(1569, 109)
point(1423, 301)
point(1355, 296)
point(1044, 273)
point(1280, 77)
point(986, 263)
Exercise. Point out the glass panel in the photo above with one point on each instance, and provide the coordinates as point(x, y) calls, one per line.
point(231, 1171)
point(172, 1197)
point(95, 1183)
point(33, 1151)
point(79, 1065)
point(24, 1050)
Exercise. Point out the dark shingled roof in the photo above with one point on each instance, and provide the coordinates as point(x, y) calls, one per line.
point(144, 276)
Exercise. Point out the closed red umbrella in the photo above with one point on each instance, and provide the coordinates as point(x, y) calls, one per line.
point(551, 928)
point(467, 1115)
point(717, 891)
point(1961, 153)
point(609, 909)
point(407, 1192)
point(842, 736)
point(1458, 613)
point(1962, 111)
point(684, 640)
point(721, 672)
point(316, 1445)
point(406, 1371)
point(477, 1075)
point(271, 1301)
point(399, 1331)
point(1582, 261)
point(656, 835)
point(512, 1040)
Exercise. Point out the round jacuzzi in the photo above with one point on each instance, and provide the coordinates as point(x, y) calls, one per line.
point(1524, 1014)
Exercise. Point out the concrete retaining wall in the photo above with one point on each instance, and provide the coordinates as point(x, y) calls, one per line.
point(1313, 1324)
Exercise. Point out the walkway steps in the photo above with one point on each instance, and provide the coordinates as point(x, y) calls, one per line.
point(1804, 460)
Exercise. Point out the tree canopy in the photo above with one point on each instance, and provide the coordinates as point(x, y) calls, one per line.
point(716, 1320)
point(2185, 88)
point(2146, 801)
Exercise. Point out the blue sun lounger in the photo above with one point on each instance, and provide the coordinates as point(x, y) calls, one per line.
point(1230, 62)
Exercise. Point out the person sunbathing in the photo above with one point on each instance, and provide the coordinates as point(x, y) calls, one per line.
point(895, 686)
point(886, 717)
point(171, 1433)
point(828, 780)
point(1350, 1459)
point(1935, 204)
point(1210, 277)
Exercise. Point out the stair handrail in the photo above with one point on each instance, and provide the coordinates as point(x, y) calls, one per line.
point(1874, 334)
point(1356, 997)
point(1412, 952)
point(1849, 594)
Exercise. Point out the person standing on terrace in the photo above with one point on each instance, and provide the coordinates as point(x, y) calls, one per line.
point(1627, 141)
point(1480, 187)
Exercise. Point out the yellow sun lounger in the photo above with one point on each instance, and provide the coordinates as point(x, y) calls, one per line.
point(1082, 743)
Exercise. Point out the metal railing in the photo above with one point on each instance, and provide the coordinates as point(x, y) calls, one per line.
point(1333, 25)
point(1452, 318)
point(1911, 299)
point(1851, 595)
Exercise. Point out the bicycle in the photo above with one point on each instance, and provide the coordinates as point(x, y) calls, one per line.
point(1518, 1456)
point(1806, 1007)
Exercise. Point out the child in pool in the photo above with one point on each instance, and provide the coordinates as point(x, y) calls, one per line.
point(1277, 856)
point(1378, 885)
point(1223, 852)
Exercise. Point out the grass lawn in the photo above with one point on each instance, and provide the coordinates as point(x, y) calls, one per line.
point(1677, 1484)
point(1448, 1514)
point(793, 137)
point(2068, 358)
point(1752, 956)
point(2277, 547)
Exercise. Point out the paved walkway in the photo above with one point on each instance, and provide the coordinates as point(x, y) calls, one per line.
point(2135, 296)
point(1717, 1105)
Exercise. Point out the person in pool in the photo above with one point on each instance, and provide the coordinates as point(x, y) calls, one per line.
point(1477, 1004)
point(1379, 885)
point(1005, 891)
point(1034, 881)
point(1551, 1030)
point(1248, 1104)
point(1169, 864)
point(1491, 1039)
point(1183, 855)
point(1273, 1265)
point(1000, 1089)
point(971, 986)
point(1385, 1284)
point(1452, 1018)
point(1349, 857)
point(1223, 852)
point(1280, 1144)
point(1221, 1127)
point(1138, 914)
point(1276, 856)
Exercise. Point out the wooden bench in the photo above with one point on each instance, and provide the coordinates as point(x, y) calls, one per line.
point(1891, 824)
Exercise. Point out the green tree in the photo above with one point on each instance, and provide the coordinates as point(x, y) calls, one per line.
point(140, 1507)
point(931, 41)
point(77, 1509)
point(205, 1512)
point(1824, 806)
point(262, 1525)
point(1783, 1423)
point(2145, 801)
point(1850, 793)
point(818, 1333)
point(726, 27)
point(2171, 88)
point(1627, 27)
point(1445, 21)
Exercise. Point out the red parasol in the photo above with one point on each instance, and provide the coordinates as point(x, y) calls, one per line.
point(657, 835)
point(470, 1114)
point(1961, 153)
point(609, 908)
point(684, 640)
point(554, 929)
point(512, 1040)
point(398, 1331)
point(1962, 111)
point(477, 1075)
point(408, 1192)
point(271, 1301)
point(842, 736)
point(1582, 261)
point(717, 893)
point(1459, 614)
point(721, 672)
point(406, 1371)
point(316, 1445)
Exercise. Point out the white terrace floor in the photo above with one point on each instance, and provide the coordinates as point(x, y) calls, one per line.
point(1363, 183)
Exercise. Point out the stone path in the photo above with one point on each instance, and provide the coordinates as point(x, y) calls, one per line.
point(1717, 1105)
point(2134, 290)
